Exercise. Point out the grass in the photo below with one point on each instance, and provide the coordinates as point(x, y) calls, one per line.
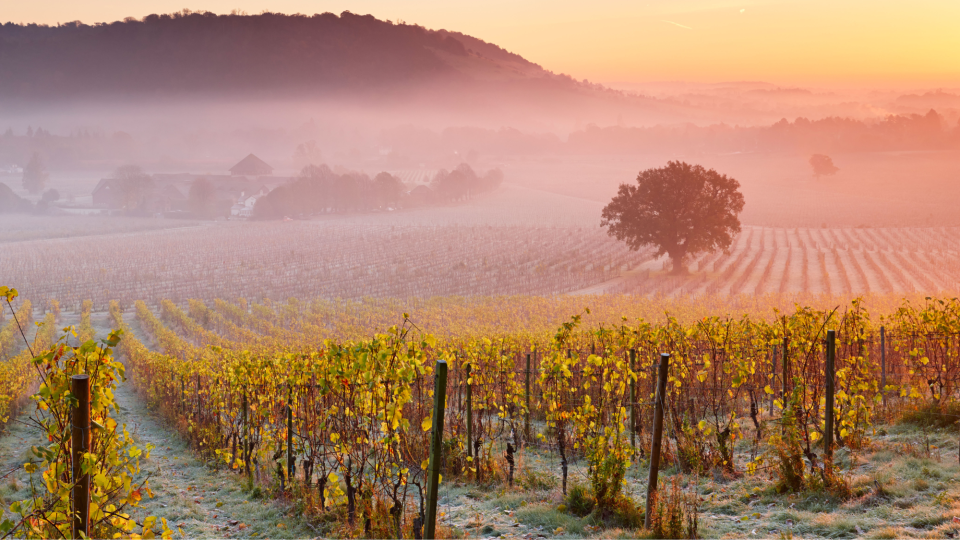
point(903, 485)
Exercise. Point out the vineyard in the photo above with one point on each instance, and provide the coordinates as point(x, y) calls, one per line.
point(325, 259)
point(298, 361)
point(814, 261)
point(399, 259)
point(302, 401)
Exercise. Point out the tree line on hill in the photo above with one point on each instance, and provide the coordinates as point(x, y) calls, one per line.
point(832, 135)
point(930, 131)
point(319, 190)
point(202, 52)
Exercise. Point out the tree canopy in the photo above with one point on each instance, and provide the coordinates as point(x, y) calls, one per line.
point(35, 174)
point(318, 189)
point(201, 198)
point(204, 52)
point(134, 185)
point(680, 209)
point(822, 165)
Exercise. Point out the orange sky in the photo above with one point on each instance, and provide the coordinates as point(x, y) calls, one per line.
point(879, 43)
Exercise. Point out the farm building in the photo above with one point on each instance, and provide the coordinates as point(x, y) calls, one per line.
point(231, 194)
point(245, 203)
point(251, 166)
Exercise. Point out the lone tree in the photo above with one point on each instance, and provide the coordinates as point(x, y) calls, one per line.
point(201, 198)
point(681, 209)
point(35, 174)
point(822, 165)
point(134, 185)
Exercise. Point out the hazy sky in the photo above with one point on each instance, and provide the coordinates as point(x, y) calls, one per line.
point(813, 42)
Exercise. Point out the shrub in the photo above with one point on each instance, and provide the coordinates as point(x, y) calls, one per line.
point(675, 514)
point(626, 514)
point(534, 480)
point(933, 415)
point(579, 501)
point(786, 450)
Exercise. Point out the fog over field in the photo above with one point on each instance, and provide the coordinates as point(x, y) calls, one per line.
point(351, 275)
point(545, 149)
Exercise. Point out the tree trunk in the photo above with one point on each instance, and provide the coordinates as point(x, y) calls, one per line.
point(676, 259)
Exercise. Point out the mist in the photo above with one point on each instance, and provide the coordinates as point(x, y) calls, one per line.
point(293, 270)
point(405, 108)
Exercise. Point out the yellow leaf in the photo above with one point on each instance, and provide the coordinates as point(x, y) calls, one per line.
point(427, 423)
point(768, 390)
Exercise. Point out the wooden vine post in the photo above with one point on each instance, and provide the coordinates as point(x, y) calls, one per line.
point(773, 375)
point(436, 449)
point(470, 415)
point(290, 462)
point(883, 365)
point(526, 393)
point(829, 369)
point(80, 388)
point(245, 452)
point(785, 360)
point(657, 437)
point(633, 398)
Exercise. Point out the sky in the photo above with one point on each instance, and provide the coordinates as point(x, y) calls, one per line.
point(854, 43)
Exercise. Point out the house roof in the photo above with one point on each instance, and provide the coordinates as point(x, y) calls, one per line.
point(251, 166)
point(103, 184)
point(174, 193)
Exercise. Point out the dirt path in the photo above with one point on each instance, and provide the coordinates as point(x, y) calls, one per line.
point(198, 500)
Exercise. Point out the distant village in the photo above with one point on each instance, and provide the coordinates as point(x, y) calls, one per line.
point(315, 190)
point(169, 194)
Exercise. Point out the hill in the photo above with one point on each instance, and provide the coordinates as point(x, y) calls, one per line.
point(189, 52)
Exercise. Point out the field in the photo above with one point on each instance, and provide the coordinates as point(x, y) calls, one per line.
point(847, 262)
point(552, 246)
point(224, 374)
point(251, 347)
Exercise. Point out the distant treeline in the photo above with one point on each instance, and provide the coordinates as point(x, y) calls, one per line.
point(930, 131)
point(411, 144)
point(319, 190)
point(204, 52)
point(895, 132)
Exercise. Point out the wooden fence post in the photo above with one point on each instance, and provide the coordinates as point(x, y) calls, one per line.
point(436, 448)
point(829, 376)
point(526, 393)
point(80, 433)
point(657, 437)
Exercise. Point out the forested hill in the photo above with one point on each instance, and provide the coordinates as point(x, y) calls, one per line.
point(195, 53)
